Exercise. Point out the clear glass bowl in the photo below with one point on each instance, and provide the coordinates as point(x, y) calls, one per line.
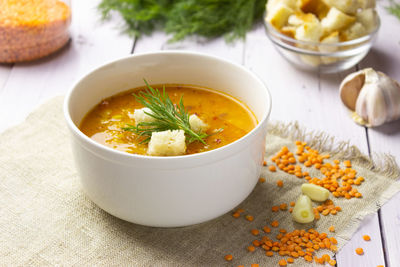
point(31, 29)
point(326, 58)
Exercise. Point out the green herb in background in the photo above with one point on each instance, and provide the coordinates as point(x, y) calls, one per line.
point(394, 8)
point(182, 18)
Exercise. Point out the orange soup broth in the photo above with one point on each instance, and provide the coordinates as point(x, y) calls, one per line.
point(104, 122)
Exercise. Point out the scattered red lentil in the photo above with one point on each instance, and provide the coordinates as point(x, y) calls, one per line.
point(275, 208)
point(269, 253)
point(255, 232)
point(366, 237)
point(359, 251)
point(251, 248)
point(249, 218)
point(261, 180)
point(283, 206)
point(326, 257)
point(347, 163)
point(302, 243)
point(256, 243)
point(282, 262)
point(274, 223)
point(308, 258)
point(267, 229)
point(228, 257)
point(272, 168)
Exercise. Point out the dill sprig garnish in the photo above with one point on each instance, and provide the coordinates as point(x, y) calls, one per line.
point(394, 9)
point(167, 116)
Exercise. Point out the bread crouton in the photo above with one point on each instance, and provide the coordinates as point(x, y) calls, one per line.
point(368, 18)
point(325, 47)
point(332, 38)
point(364, 4)
point(355, 31)
point(310, 32)
point(273, 3)
point(279, 15)
point(139, 115)
point(167, 143)
point(336, 20)
point(301, 18)
point(197, 125)
point(316, 7)
point(346, 6)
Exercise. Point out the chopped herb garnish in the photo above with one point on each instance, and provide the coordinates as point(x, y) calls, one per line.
point(167, 115)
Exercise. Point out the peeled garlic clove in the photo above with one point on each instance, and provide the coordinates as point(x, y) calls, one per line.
point(303, 211)
point(315, 192)
point(372, 95)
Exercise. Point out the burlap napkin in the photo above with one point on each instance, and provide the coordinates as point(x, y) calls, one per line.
point(45, 219)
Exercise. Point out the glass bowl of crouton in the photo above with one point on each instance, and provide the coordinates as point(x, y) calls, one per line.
point(178, 189)
point(322, 35)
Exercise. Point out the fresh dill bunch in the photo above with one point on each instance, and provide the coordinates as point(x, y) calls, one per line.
point(167, 116)
point(140, 16)
point(182, 18)
point(213, 18)
point(394, 9)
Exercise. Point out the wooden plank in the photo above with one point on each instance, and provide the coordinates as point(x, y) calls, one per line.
point(93, 43)
point(373, 252)
point(390, 223)
point(385, 56)
point(4, 74)
point(217, 47)
point(312, 100)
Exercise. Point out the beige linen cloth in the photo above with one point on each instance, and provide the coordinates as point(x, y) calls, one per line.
point(45, 219)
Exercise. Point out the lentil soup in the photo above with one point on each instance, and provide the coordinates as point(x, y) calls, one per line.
point(228, 118)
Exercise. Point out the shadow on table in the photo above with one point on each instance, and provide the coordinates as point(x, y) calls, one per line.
point(44, 60)
point(390, 128)
point(376, 58)
point(380, 60)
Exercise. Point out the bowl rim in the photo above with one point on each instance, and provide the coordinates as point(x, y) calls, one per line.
point(77, 132)
point(284, 41)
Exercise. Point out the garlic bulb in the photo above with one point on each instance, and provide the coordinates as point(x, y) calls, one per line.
point(372, 95)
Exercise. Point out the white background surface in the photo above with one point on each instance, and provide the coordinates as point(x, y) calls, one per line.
point(310, 98)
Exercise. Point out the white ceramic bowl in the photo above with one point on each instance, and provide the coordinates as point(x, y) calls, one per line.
point(168, 191)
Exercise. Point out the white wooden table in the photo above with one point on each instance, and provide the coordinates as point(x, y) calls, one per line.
point(310, 98)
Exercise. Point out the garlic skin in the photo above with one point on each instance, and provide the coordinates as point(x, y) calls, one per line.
point(372, 95)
